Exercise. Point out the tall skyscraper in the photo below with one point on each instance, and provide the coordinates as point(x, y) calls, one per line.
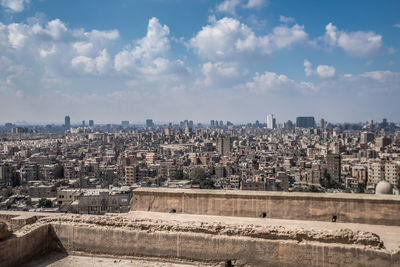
point(271, 122)
point(125, 124)
point(322, 123)
point(186, 124)
point(83, 123)
point(288, 124)
point(371, 123)
point(305, 122)
point(67, 122)
point(212, 123)
point(149, 123)
point(91, 123)
point(384, 123)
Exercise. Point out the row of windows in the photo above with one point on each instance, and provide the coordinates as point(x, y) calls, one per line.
point(101, 208)
point(62, 196)
point(94, 201)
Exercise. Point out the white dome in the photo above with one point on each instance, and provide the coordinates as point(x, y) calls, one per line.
point(383, 188)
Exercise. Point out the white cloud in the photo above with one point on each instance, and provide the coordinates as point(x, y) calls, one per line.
point(255, 4)
point(83, 48)
point(284, 36)
point(39, 37)
point(270, 83)
point(54, 54)
point(3, 35)
point(212, 19)
point(228, 70)
point(397, 25)
point(45, 53)
point(322, 71)
point(156, 41)
point(382, 76)
point(147, 62)
point(103, 35)
point(220, 75)
point(228, 6)
point(17, 35)
point(97, 65)
point(308, 68)
point(273, 82)
point(357, 43)
point(325, 71)
point(55, 29)
point(14, 5)
point(286, 19)
point(228, 38)
point(153, 45)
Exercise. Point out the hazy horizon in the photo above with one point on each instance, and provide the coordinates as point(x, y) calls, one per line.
point(79, 123)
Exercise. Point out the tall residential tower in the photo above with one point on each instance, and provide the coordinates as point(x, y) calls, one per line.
point(67, 122)
point(271, 122)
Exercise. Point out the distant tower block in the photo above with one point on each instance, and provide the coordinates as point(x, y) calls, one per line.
point(67, 122)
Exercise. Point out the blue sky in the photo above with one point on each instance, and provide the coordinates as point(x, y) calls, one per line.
point(234, 60)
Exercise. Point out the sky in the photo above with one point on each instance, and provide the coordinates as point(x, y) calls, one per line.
point(236, 60)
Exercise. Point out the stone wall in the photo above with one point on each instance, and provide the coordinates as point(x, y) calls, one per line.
point(207, 247)
point(256, 245)
point(354, 208)
point(16, 251)
point(19, 220)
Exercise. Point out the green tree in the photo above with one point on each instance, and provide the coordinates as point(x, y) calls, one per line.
point(45, 203)
point(207, 184)
point(199, 176)
point(326, 179)
point(313, 188)
point(180, 175)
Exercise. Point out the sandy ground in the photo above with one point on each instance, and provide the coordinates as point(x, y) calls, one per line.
point(63, 260)
point(389, 234)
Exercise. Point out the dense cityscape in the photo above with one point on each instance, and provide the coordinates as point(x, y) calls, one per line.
point(94, 168)
point(199, 133)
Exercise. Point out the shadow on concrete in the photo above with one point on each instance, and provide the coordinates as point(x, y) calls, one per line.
point(55, 251)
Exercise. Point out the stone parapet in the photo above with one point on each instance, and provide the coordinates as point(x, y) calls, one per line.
point(354, 208)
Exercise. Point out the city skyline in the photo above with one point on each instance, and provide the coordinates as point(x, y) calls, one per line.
point(236, 60)
point(133, 123)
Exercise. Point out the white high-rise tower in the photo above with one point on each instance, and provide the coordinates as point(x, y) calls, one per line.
point(271, 123)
